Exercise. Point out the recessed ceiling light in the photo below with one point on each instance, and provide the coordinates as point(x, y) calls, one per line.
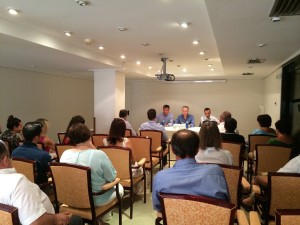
point(68, 33)
point(101, 47)
point(184, 25)
point(149, 67)
point(122, 56)
point(122, 28)
point(184, 70)
point(261, 45)
point(209, 65)
point(138, 62)
point(195, 42)
point(212, 69)
point(12, 11)
point(276, 19)
point(201, 53)
point(82, 2)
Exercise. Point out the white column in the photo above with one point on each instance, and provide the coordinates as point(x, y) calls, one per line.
point(109, 97)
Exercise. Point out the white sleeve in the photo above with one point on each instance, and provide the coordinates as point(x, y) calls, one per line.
point(28, 198)
point(293, 166)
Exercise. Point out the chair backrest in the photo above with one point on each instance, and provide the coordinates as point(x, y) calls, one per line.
point(155, 135)
point(97, 139)
point(190, 209)
point(9, 215)
point(236, 151)
point(142, 147)
point(61, 137)
point(255, 139)
point(26, 167)
point(121, 160)
point(270, 158)
point(72, 180)
point(283, 191)
point(128, 133)
point(287, 216)
point(233, 175)
point(60, 148)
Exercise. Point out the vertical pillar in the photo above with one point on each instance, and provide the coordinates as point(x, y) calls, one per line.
point(109, 97)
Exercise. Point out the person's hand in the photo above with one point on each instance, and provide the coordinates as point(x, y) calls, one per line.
point(63, 218)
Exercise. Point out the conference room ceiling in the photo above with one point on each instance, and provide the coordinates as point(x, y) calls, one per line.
point(229, 32)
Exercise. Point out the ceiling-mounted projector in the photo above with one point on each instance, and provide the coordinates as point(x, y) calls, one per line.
point(164, 75)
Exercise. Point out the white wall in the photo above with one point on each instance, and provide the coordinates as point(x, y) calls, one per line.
point(30, 95)
point(242, 98)
point(272, 95)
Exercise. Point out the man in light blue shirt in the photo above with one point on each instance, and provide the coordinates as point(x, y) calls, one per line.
point(165, 118)
point(185, 117)
point(186, 176)
point(152, 125)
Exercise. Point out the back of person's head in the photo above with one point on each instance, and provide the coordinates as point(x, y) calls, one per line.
point(284, 126)
point(151, 114)
point(116, 131)
point(123, 113)
point(45, 124)
point(166, 107)
point(31, 129)
point(185, 143)
point(264, 120)
point(12, 122)
point(3, 150)
point(225, 115)
point(79, 133)
point(230, 124)
point(74, 120)
point(209, 135)
point(206, 109)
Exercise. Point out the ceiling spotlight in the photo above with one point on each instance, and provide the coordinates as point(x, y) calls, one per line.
point(101, 47)
point(122, 28)
point(261, 45)
point(276, 19)
point(12, 11)
point(68, 33)
point(184, 70)
point(149, 67)
point(138, 62)
point(195, 42)
point(209, 65)
point(212, 69)
point(88, 41)
point(122, 56)
point(184, 25)
point(82, 2)
point(201, 53)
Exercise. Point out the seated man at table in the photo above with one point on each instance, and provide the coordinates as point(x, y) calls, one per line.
point(29, 150)
point(123, 114)
point(185, 117)
point(224, 116)
point(187, 176)
point(208, 117)
point(152, 125)
point(165, 118)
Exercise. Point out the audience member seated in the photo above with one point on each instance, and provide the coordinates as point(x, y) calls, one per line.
point(34, 207)
point(49, 145)
point(116, 137)
point(152, 125)
point(14, 126)
point(296, 144)
point(224, 116)
point(283, 133)
point(264, 122)
point(74, 120)
point(210, 145)
point(123, 114)
point(187, 176)
point(230, 135)
point(29, 150)
point(208, 117)
point(86, 154)
point(185, 117)
point(165, 118)
point(293, 166)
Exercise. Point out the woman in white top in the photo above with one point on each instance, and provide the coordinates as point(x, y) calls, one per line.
point(210, 145)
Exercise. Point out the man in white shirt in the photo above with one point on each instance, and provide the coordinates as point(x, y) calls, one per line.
point(34, 206)
point(207, 116)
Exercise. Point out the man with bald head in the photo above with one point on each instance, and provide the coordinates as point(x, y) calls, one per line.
point(186, 176)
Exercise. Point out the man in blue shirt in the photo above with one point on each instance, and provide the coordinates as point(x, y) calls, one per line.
point(185, 117)
point(165, 118)
point(186, 176)
point(29, 150)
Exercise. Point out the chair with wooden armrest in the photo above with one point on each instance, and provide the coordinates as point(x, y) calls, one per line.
point(97, 139)
point(9, 215)
point(142, 149)
point(60, 148)
point(73, 192)
point(61, 136)
point(121, 160)
point(287, 216)
point(128, 133)
point(26, 167)
point(190, 209)
point(160, 148)
point(236, 151)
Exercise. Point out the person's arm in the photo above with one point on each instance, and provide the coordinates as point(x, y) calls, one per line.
point(53, 219)
point(177, 119)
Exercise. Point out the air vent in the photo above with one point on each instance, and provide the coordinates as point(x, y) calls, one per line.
point(247, 74)
point(285, 8)
point(255, 61)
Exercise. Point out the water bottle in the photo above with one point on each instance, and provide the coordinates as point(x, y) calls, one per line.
point(163, 123)
point(186, 124)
